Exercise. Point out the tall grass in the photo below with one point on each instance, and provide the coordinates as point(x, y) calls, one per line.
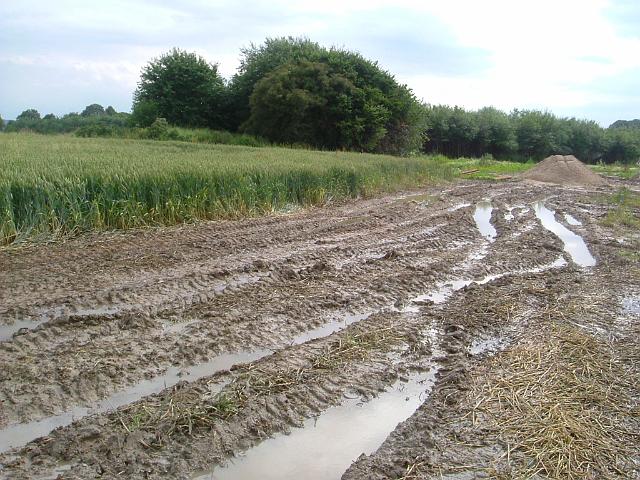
point(52, 186)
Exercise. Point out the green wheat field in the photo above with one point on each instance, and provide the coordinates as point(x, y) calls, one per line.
point(53, 186)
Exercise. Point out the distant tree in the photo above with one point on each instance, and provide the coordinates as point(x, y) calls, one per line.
point(302, 103)
point(540, 134)
point(144, 113)
point(110, 110)
point(185, 89)
point(257, 61)
point(328, 98)
point(626, 124)
point(585, 139)
point(49, 116)
point(495, 134)
point(94, 109)
point(622, 145)
point(30, 114)
point(1, 123)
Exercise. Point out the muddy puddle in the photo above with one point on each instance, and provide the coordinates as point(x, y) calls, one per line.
point(458, 207)
point(574, 245)
point(487, 345)
point(7, 331)
point(444, 290)
point(20, 434)
point(571, 220)
point(631, 305)
point(325, 446)
point(482, 217)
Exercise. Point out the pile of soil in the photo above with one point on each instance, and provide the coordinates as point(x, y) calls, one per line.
point(563, 170)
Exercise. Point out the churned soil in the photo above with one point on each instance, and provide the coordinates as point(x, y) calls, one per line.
point(326, 306)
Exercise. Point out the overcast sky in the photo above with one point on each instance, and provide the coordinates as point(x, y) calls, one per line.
point(573, 57)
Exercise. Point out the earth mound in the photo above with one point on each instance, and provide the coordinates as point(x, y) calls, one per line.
point(563, 170)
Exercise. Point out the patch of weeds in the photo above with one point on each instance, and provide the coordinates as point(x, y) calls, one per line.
point(486, 168)
point(625, 213)
point(623, 171)
point(631, 255)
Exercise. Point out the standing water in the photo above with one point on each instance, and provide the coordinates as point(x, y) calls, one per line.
point(573, 244)
point(327, 445)
point(482, 217)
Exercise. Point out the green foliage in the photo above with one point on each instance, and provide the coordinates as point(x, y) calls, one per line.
point(626, 211)
point(30, 114)
point(110, 110)
point(71, 122)
point(525, 135)
point(299, 92)
point(622, 145)
point(144, 113)
point(55, 186)
point(159, 129)
point(183, 88)
point(92, 110)
point(256, 63)
point(635, 123)
point(1, 123)
point(300, 104)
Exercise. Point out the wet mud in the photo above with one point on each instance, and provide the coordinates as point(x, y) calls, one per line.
point(324, 343)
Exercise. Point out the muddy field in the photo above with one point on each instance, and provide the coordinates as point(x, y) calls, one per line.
point(463, 331)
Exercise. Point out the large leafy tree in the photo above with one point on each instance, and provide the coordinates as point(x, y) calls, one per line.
point(29, 114)
point(258, 61)
point(94, 109)
point(293, 90)
point(301, 103)
point(183, 88)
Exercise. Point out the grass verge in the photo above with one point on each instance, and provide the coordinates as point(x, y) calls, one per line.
point(626, 211)
point(624, 171)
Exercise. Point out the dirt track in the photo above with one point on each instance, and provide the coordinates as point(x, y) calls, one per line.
point(293, 316)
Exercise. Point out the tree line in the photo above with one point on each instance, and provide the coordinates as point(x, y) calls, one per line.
point(297, 92)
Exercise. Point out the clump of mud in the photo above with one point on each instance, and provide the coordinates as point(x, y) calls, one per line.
point(563, 170)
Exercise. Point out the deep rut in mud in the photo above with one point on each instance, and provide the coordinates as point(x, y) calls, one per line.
point(165, 353)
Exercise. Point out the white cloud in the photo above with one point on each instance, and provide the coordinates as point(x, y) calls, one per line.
point(564, 55)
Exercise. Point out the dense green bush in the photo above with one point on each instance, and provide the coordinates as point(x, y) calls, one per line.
point(183, 88)
point(295, 91)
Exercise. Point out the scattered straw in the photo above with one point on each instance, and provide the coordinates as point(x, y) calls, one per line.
point(564, 402)
point(195, 409)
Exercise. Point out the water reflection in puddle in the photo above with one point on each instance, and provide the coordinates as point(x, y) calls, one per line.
point(327, 445)
point(488, 345)
point(482, 217)
point(7, 331)
point(20, 434)
point(573, 244)
point(631, 305)
point(444, 290)
point(571, 220)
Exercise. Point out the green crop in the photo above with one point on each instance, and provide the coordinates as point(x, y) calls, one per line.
point(53, 186)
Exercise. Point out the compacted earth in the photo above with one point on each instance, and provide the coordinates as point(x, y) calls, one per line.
point(468, 330)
